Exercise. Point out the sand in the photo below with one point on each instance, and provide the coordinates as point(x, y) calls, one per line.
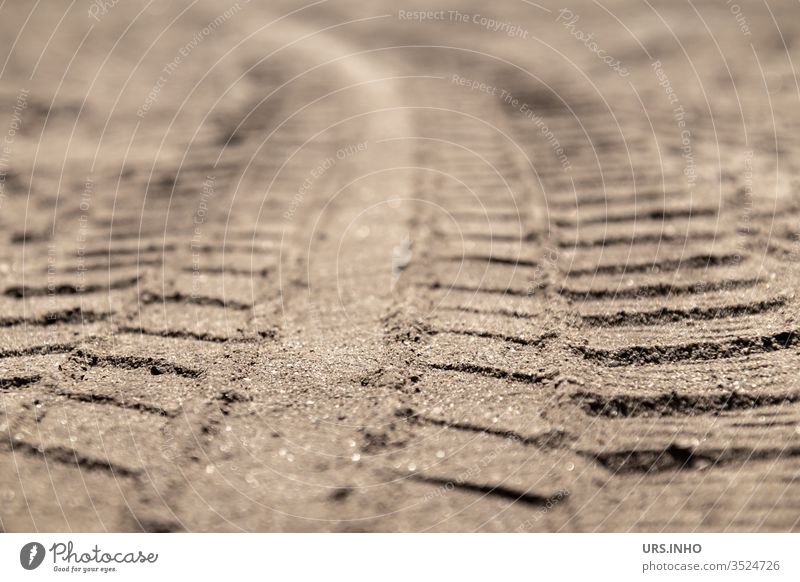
point(488, 267)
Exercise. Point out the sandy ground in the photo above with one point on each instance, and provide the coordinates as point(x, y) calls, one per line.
point(347, 266)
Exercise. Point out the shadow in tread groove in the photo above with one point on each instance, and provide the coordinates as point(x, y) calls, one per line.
point(494, 490)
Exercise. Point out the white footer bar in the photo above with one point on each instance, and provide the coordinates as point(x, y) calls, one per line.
point(400, 557)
